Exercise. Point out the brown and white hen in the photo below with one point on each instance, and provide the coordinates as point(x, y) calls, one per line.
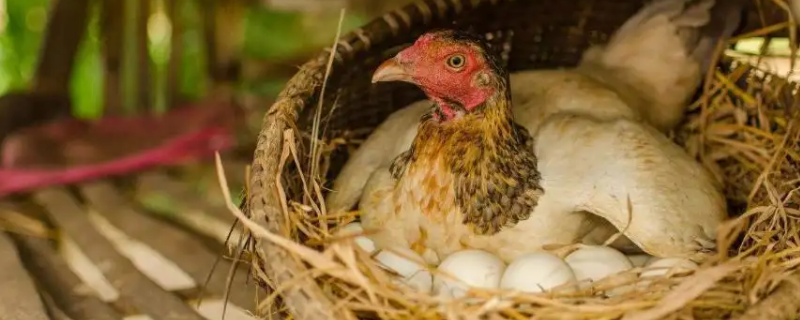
point(561, 162)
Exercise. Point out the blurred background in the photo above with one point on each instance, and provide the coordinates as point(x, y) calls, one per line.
point(87, 60)
point(144, 55)
point(65, 65)
point(134, 56)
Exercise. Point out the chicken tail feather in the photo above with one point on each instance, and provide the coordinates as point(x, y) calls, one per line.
point(659, 56)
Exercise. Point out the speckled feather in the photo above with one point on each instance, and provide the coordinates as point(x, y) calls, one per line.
point(491, 159)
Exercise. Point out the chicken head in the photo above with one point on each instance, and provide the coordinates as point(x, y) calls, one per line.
point(450, 68)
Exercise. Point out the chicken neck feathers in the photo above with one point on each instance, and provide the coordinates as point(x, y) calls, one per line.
point(491, 161)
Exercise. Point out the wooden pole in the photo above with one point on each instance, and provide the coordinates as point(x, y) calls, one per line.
point(173, 9)
point(223, 28)
point(144, 63)
point(65, 29)
point(111, 22)
point(136, 79)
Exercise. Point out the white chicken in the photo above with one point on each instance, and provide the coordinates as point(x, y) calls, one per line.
point(421, 182)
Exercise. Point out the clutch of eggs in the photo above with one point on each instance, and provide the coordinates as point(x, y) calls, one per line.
point(532, 273)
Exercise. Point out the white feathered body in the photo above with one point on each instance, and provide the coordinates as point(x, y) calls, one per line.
point(604, 160)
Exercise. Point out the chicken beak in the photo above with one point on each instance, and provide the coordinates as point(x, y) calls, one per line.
point(391, 70)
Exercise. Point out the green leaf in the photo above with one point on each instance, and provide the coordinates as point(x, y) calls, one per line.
point(273, 34)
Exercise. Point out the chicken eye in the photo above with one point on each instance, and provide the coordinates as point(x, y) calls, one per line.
point(456, 61)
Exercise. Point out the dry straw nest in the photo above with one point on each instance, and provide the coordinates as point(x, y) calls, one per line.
point(743, 127)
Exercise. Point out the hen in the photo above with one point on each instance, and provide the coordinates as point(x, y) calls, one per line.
point(571, 156)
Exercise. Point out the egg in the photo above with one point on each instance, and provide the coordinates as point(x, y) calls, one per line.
point(362, 241)
point(659, 267)
point(536, 272)
point(409, 265)
point(596, 262)
point(468, 268)
point(639, 260)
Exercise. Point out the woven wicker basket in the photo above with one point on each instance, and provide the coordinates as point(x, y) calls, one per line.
point(533, 34)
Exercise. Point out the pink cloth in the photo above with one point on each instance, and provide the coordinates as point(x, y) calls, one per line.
point(72, 151)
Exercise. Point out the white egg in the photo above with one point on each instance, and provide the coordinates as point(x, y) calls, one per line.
point(409, 265)
point(639, 260)
point(362, 241)
point(536, 272)
point(596, 262)
point(468, 268)
point(659, 267)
